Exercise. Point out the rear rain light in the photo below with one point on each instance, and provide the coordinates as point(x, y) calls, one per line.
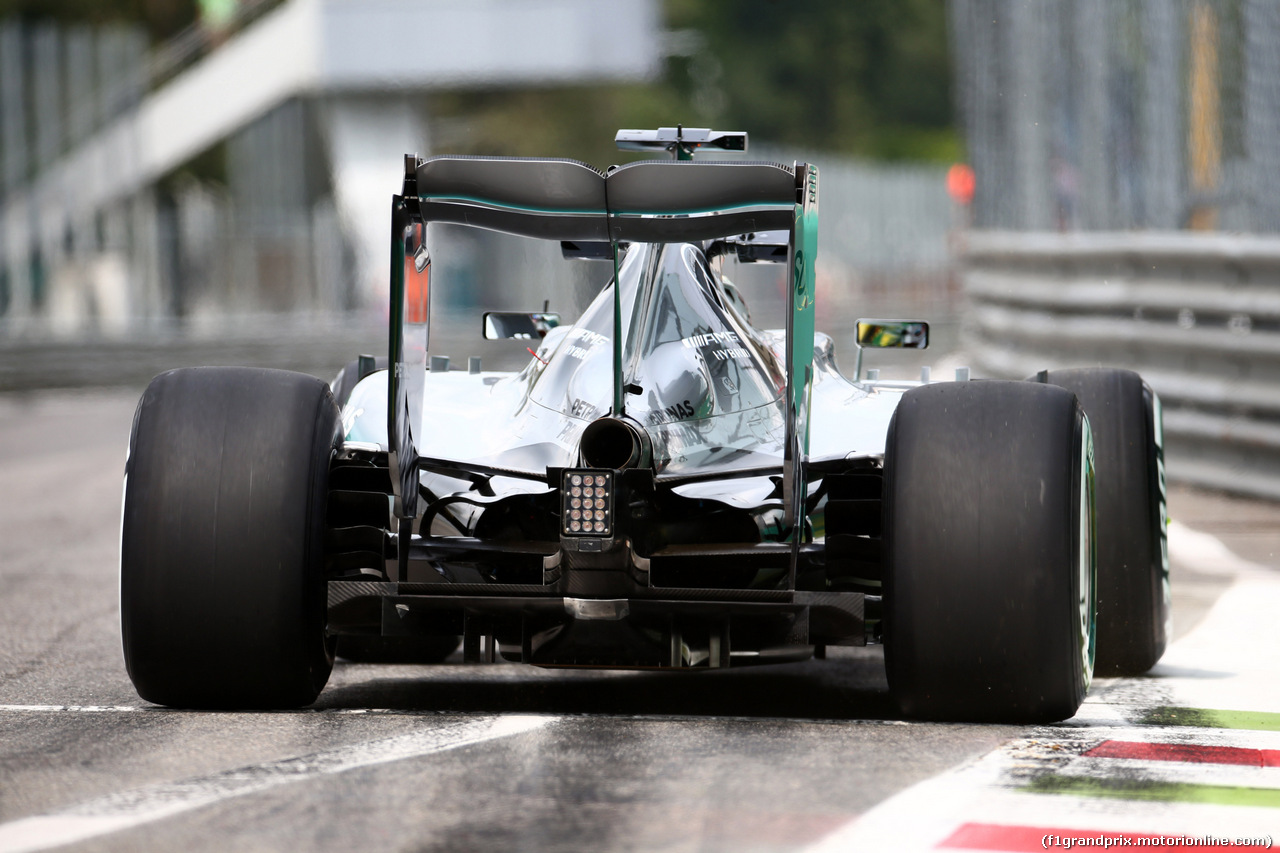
point(587, 503)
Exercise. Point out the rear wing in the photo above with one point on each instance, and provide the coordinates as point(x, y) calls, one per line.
point(652, 201)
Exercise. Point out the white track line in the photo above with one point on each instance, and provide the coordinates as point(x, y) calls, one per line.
point(129, 809)
point(158, 709)
point(77, 709)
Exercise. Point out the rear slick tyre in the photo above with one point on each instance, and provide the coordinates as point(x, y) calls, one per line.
point(988, 581)
point(1133, 556)
point(222, 587)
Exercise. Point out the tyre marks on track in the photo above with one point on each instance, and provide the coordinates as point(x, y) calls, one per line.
point(129, 809)
point(1190, 751)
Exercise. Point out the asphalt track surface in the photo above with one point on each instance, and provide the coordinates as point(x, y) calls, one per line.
point(505, 757)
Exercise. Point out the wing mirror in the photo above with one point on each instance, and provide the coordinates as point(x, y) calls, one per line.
point(504, 325)
point(895, 334)
point(889, 334)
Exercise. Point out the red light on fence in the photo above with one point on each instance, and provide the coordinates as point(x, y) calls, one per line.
point(961, 182)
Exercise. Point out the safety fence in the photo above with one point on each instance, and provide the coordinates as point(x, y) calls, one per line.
point(1198, 315)
point(1106, 115)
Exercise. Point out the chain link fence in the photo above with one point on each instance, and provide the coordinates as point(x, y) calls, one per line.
point(1089, 115)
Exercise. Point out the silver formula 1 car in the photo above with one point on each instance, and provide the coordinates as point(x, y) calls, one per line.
point(662, 486)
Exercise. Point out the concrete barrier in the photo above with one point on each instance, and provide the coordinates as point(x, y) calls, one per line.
point(1198, 315)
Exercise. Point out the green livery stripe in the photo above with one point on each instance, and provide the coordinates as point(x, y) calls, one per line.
point(555, 211)
point(1262, 721)
point(703, 211)
point(505, 205)
point(619, 392)
point(1165, 792)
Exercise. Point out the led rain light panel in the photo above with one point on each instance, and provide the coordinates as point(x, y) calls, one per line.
point(587, 503)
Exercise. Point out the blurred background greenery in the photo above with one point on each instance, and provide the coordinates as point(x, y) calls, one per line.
point(163, 19)
point(870, 79)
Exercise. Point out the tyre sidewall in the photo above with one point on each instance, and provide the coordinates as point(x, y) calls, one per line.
point(222, 587)
point(1133, 565)
point(983, 571)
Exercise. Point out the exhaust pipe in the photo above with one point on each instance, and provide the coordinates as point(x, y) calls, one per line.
point(616, 443)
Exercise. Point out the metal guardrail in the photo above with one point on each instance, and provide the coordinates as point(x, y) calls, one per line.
point(1198, 315)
